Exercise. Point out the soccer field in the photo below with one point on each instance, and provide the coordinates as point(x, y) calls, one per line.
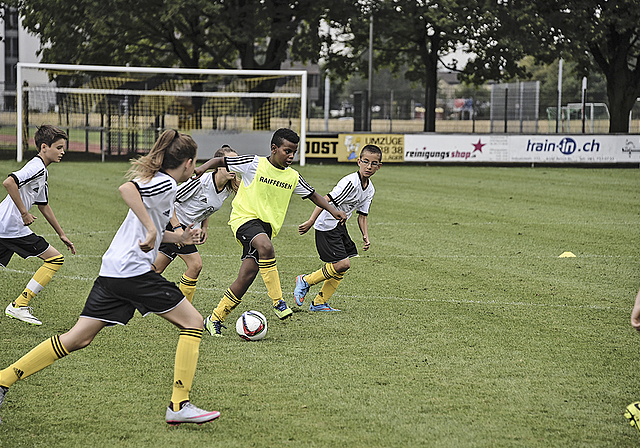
point(460, 327)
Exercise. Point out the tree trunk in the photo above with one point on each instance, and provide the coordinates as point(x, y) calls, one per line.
point(430, 59)
point(622, 92)
point(623, 81)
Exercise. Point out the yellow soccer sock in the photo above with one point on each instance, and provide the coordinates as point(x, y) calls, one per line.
point(40, 279)
point(271, 278)
point(320, 275)
point(37, 359)
point(188, 287)
point(228, 302)
point(328, 288)
point(185, 367)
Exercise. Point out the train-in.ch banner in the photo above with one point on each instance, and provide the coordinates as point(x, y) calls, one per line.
point(492, 148)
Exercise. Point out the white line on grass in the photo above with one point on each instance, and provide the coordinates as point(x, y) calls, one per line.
point(235, 255)
point(258, 291)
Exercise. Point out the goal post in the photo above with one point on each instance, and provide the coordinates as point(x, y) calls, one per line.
point(116, 108)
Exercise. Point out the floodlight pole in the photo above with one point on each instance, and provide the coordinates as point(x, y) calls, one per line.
point(19, 114)
point(584, 99)
point(303, 119)
point(370, 87)
point(559, 109)
point(327, 101)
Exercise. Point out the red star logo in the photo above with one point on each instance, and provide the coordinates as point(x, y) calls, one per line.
point(478, 146)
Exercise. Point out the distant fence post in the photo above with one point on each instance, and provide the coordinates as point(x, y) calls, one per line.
point(506, 106)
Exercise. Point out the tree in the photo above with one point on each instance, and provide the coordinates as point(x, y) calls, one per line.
point(597, 36)
point(604, 36)
point(418, 33)
point(183, 33)
point(406, 33)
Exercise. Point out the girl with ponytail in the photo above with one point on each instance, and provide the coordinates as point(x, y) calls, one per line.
point(127, 281)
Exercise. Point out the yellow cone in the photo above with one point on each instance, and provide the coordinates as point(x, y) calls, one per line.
point(566, 255)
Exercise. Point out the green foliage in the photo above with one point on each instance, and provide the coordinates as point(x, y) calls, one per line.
point(596, 36)
point(408, 36)
point(119, 32)
point(460, 327)
point(604, 36)
point(187, 33)
point(506, 32)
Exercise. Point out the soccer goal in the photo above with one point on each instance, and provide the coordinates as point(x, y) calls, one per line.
point(122, 110)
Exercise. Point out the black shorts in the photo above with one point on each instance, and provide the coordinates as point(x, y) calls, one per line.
point(247, 232)
point(335, 245)
point(171, 250)
point(114, 300)
point(25, 246)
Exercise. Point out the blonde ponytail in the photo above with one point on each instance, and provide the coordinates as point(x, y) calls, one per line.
point(169, 151)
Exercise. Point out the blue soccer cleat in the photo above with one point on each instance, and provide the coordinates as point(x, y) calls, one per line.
point(301, 290)
point(321, 307)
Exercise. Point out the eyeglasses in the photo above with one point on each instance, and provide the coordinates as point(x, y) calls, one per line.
point(373, 164)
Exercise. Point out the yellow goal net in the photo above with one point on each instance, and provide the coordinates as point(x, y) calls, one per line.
point(122, 110)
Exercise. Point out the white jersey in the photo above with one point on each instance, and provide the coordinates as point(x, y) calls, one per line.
point(124, 258)
point(32, 186)
point(197, 199)
point(348, 196)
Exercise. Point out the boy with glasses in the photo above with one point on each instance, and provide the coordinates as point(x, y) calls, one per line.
point(335, 247)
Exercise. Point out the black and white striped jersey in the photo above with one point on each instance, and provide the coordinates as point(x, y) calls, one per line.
point(348, 196)
point(197, 199)
point(124, 258)
point(32, 186)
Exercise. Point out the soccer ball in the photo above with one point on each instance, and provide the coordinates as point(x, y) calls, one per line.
point(252, 326)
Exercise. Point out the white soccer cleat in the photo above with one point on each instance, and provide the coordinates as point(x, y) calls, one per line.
point(189, 413)
point(22, 313)
point(3, 392)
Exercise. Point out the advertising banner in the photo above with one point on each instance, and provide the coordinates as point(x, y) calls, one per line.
point(391, 145)
point(575, 148)
point(321, 147)
point(455, 148)
point(522, 148)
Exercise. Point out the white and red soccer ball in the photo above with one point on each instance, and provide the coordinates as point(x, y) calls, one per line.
point(252, 326)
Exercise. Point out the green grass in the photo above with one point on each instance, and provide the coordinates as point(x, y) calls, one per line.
point(460, 327)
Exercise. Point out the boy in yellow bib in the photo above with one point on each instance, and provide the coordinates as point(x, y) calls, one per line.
point(257, 214)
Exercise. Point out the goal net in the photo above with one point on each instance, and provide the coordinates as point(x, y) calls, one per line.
point(122, 110)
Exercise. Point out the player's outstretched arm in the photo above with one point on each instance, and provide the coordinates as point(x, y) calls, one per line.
point(362, 223)
point(214, 162)
point(47, 212)
point(132, 198)
point(203, 231)
point(305, 226)
point(323, 203)
point(635, 314)
point(189, 236)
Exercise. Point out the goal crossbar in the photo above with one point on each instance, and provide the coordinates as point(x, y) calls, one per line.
point(158, 70)
point(163, 93)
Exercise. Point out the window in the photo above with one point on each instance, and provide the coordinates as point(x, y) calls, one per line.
point(11, 47)
point(9, 76)
point(11, 19)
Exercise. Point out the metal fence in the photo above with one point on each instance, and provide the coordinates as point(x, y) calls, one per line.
point(503, 108)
